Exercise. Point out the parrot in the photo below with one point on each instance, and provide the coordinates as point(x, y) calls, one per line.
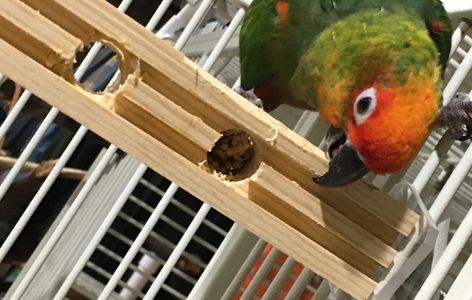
point(371, 68)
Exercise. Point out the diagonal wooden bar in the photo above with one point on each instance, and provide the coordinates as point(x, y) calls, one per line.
point(168, 113)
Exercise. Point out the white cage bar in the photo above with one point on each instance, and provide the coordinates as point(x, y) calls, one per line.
point(190, 22)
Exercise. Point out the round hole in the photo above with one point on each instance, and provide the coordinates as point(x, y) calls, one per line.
point(102, 68)
point(233, 155)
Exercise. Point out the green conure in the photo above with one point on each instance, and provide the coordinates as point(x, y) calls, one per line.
point(369, 67)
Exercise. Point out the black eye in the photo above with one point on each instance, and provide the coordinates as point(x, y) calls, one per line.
point(363, 105)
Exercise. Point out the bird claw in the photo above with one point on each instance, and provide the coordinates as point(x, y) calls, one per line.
point(250, 96)
point(456, 116)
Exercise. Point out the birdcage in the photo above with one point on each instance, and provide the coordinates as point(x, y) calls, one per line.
point(85, 215)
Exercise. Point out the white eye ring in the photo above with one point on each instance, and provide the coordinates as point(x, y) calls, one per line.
point(364, 105)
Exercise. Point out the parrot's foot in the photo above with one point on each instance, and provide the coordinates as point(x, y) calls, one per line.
point(456, 116)
point(250, 96)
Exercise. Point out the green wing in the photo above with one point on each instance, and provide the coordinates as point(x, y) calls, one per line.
point(257, 31)
point(266, 49)
point(438, 24)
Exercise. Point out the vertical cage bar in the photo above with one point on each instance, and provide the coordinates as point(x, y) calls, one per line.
point(100, 233)
point(445, 262)
point(244, 270)
point(63, 224)
point(279, 280)
point(138, 242)
point(261, 274)
point(179, 249)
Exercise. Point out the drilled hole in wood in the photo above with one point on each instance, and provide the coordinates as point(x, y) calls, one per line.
point(102, 69)
point(233, 155)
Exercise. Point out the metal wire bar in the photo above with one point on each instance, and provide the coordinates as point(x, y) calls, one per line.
point(34, 141)
point(461, 286)
point(193, 23)
point(210, 267)
point(144, 251)
point(457, 78)
point(26, 216)
point(181, 229)
point(300, 284)
point(452, 185)
point(457, 36)
point(65, 156)
point(146, 275)
point(260, 275)
point(158, 14)
point(279, 279)
point(125, 240)
point(106, 274)
point(138, 242)
point(433, 160)
point(102, 230)
point(152, 234)
point(244, 271)
point(429, 167)
point(179, 249)
point(39, 260)
point(133, 267)
point(172, 224)
point(223, 41)
point(156, 236)
point(179, 205)
point(445, 262)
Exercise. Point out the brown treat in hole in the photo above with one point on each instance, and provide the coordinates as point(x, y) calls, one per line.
point(232, 153)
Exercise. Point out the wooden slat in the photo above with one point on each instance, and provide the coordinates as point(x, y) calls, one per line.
point(82, 107)
point(166, 121)
point(202, 95)
point(262, 196)
point(169, 113)
point(372, 200)
point(69, 22)
point(176, 126)
point(18, 27)
point(327, 217)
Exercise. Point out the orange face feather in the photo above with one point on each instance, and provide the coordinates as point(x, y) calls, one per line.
point(282, 7)
point(395, 131)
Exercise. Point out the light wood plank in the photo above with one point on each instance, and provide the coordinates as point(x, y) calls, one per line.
point(166, 121)
point(327, 217)
point(200, 94)
point(48, 44)
point(85, 108)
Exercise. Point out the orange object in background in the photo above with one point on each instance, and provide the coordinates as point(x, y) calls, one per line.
point(287, 285)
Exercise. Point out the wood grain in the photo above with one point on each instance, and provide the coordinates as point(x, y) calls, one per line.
point(169, 113)
point(85, 108)
point(48, 44)
point(200, 94)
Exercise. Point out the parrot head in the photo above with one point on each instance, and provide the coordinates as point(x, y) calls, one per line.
point(378, 80)
point(385, 128)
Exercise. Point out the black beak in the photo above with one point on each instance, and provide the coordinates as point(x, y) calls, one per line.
point(345, 167)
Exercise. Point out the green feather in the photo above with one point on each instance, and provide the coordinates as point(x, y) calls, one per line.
point(268, 49)
point(356, 51)
point(256, 34)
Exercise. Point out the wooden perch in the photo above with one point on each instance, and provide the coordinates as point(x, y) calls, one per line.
point(169, 114)
point(66, 173)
